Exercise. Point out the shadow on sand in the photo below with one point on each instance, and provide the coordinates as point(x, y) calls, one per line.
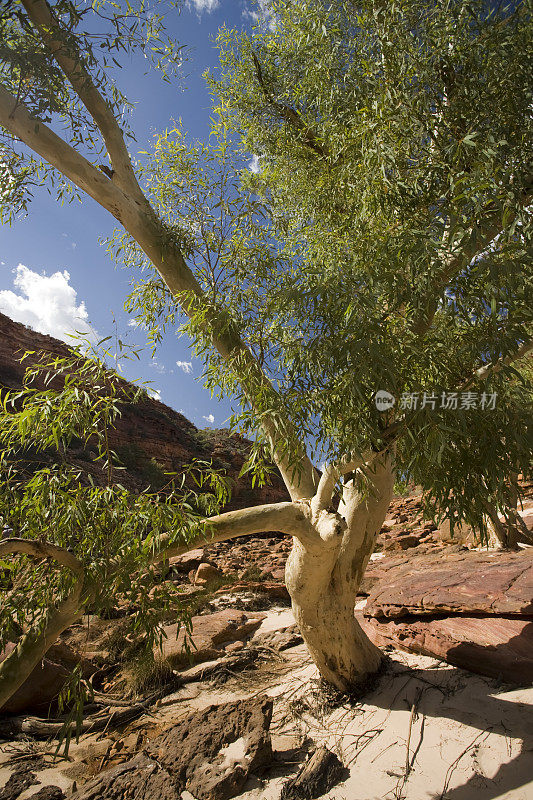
point(445, 692)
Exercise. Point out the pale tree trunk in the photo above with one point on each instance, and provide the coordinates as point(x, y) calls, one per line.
point(323, 581)
point(518, 530)
point(497, 533)
point(507, 534)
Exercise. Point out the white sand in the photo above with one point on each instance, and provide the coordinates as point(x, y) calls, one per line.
point(469, 739)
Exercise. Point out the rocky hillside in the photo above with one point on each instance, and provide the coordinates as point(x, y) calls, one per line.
point(150, 438)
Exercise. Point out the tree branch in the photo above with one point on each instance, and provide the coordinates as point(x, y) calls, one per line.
point(37, 549)
point(331, 474)
point(490, 369)
point(364, 513)
point(289, 518)
point(489, 228)
point(67, 55)
point(307, 135)
point(16, 118)
point(18, 665)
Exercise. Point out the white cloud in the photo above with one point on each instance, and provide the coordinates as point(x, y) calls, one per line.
point(255, 164)
point(264, 14)
point(204, 5)
point(210, 419)
point(186, 366)
point(158, 367)
point(155, 394)
point(47, 303)
point(137, 323)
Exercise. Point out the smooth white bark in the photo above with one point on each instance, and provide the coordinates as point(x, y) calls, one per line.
point(323, 582)
point(38, 549)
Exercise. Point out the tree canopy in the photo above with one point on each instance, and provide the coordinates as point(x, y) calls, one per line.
point(385, 241)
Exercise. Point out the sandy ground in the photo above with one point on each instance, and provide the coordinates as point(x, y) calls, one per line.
point(427, 731)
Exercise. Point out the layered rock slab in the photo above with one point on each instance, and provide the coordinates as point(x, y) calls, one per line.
point(498, 647)
point(471, 609)
point(459, 583)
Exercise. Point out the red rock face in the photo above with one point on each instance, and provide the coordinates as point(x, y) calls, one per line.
point(459, 583)
point(472, 609)
point(150, 437)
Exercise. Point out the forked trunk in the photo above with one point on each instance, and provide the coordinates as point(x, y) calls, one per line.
point(323, 585)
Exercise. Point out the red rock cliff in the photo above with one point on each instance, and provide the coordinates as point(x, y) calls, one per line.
point(150, 437)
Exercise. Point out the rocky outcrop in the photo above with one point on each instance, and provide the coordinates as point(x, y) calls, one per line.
point(496, 646)
point(24, 777)
point(471, 609)
point(209, 754)
point(150, 437)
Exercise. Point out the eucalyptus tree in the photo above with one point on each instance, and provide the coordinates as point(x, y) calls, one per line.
point(363, 292)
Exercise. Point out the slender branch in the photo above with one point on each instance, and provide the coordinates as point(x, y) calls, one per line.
point(18, 665)
point(487, 370)
point(16, 118)
point(489, 227)
point(307, 135)
point(37, 549)
point(331, 474)
point(69, 58)
point(287, 517)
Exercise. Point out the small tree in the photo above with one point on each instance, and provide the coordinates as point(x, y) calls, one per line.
point(383, 245)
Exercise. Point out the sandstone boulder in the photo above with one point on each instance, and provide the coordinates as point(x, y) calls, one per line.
point(140, 778)
point(187, 561)
point(471, 609)
point(280, 638)
point(459, 583)
point(499, 647)
point(210, 632)
point(207, 573)
point(274, 590)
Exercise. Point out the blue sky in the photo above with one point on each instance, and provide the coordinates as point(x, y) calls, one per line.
point(54, 275)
